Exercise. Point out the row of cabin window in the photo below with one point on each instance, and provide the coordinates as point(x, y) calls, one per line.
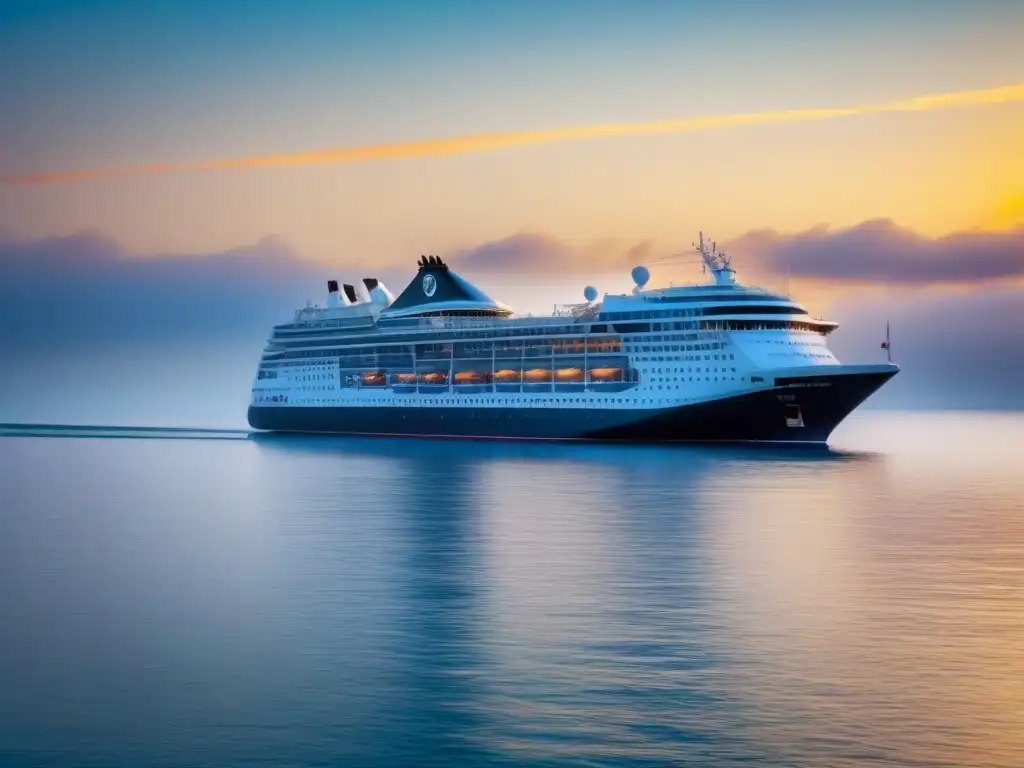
point(501, 349)
point(641, 315)
point(370, 354)
point(318, 328)
point(563, 345)
point(381, 335)
point(765, 325)
point(766, 309)
point(449, 337)
point(378, 336)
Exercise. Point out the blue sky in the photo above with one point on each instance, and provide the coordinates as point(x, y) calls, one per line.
point(110, 80)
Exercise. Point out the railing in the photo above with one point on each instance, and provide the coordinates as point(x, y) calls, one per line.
point(319, 315)
point(448, 323)
point(713, 286)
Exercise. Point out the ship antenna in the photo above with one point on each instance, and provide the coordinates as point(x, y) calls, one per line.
point(705, 256)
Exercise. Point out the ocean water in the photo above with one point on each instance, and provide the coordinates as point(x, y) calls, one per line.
point(185, 598)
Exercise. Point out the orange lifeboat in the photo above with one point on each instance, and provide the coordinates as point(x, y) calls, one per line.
point(569, 374)
point(605, 374)
point(537, 374)
point(506, 375)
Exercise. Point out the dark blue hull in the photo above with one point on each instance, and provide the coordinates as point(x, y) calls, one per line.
point(798, 409)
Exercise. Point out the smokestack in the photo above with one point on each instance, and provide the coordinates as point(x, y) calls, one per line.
point(380, 296)
point(332, 294)
point(350, 292)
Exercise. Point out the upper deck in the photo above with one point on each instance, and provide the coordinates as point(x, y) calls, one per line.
point(438, 304)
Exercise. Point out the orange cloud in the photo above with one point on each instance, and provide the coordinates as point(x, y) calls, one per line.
point(493, 141)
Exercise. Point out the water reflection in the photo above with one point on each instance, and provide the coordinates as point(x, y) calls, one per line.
point(582, 620)
point(376, 602)
point(718, 605)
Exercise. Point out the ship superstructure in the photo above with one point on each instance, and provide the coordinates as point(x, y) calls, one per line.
point(714, 362)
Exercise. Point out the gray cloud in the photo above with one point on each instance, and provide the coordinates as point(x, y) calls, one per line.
point(86, 287)
point(879, 251)
point(90, 254)
point(527, 251)
point(531, 252)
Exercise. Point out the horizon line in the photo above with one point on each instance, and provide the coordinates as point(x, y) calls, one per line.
point(487, 142)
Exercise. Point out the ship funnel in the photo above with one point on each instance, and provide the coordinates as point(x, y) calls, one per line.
point(333, 301)
point(350, 294)
point(380, 296)
point(362, 292)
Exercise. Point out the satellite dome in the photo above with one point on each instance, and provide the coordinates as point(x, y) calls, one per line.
point(640, 276)
point(590, 293)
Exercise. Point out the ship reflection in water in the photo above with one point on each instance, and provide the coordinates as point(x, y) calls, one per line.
point(291, 601)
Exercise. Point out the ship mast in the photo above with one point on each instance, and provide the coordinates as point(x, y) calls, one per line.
point(715, 260)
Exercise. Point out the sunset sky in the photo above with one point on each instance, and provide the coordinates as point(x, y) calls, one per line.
point(584, 136)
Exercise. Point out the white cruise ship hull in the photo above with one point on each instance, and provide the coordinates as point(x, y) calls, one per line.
point(797, 405)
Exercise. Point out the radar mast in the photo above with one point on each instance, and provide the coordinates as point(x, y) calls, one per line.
point(718, 262)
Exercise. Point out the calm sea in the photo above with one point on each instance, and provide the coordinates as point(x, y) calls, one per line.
point(213, 599)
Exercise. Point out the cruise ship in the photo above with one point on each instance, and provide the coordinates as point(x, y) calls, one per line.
point(714, 362)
